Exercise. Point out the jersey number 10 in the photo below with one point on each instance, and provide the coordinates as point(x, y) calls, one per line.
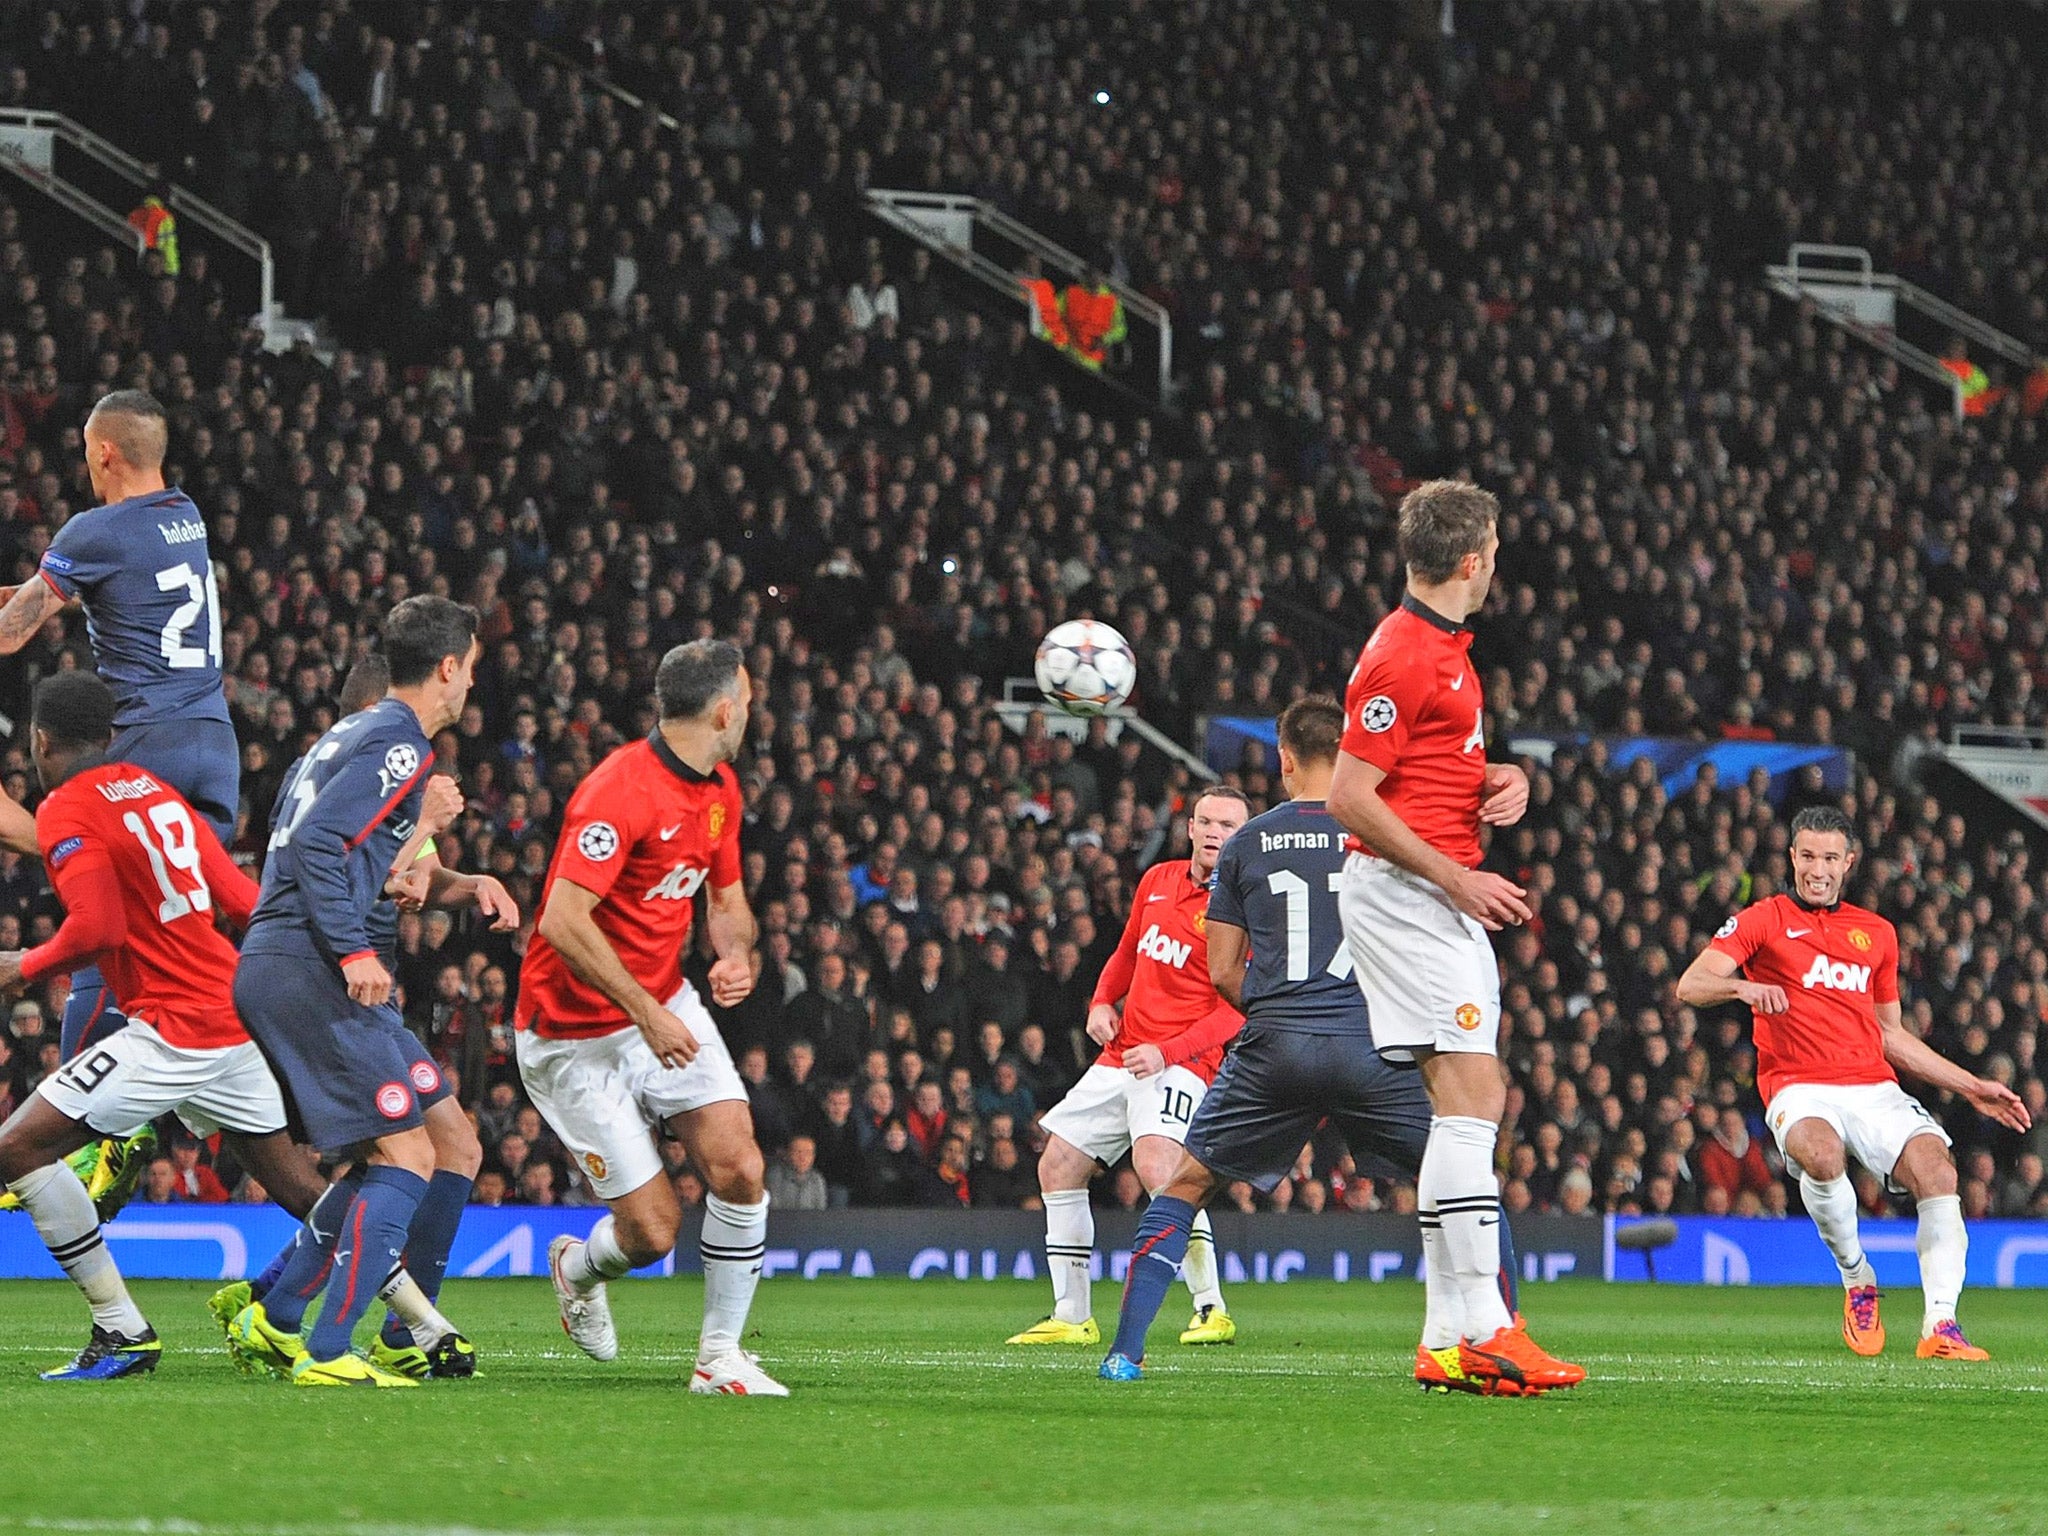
point(1286, 883)
point(175, 846)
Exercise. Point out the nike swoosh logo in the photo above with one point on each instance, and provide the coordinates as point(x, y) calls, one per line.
point(1797, 933)
point(1493, 1223)
point(1457, 682)
point(1155, 898)
point(669, 832)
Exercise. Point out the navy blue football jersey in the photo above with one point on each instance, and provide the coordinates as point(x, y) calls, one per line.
point(1277, 879)
point(344, 811)
point(143, 571)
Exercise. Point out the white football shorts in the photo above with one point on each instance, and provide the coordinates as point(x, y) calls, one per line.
point(1427, 970)
point(605, 1095)
point(1874, 1120)
point(135, 1075)
point(1111, 1107)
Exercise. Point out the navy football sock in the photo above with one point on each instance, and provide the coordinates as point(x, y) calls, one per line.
point(1156, 1252)
point(292, 1279)
point(372, 1236)
point(1510, 1271)
point(427, 1244)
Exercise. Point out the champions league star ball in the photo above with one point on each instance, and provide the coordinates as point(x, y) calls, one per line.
point(1086, 668)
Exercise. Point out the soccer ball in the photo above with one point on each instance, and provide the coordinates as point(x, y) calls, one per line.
point(1086, 668)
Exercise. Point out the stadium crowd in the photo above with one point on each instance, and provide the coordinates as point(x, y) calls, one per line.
point(620, 384)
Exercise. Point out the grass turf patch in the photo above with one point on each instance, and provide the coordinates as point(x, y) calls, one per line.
point(1706, 1410)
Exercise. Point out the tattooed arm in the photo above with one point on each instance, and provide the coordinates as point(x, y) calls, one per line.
point(27, 611)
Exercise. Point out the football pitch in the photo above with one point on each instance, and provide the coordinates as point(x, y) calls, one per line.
point(1706, 1411)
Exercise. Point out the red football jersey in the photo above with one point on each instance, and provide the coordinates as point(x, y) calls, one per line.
point(1414, 711)
point(1836, 967)
point(645, 832)
point(1160, 972)
point(141, 878)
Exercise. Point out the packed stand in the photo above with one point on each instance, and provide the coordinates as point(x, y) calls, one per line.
point(621, 385)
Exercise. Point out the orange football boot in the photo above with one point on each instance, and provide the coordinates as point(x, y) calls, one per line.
point(1862, 1330)
point(1537, 1368)
point(1947, 1343)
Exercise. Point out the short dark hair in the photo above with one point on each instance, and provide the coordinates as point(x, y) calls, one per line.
point(1220, 792)
point(1443, 521)
point(75, 709)
point(367, 682)
point(134, 421)
point(695, 676)
point(421, 633)
point(1824, 820)
point(1310, 728)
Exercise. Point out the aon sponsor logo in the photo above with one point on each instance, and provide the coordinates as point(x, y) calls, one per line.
point(1836, 976)
point(679, 884)
point(1157, 946)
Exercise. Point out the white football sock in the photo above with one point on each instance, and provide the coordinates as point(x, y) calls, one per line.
point(1832, 1205)
point(1443, 1312)
point(596, 1259)
point(1944, 1247)
point(1199, 1267)
point(734, 1240)
point(1459, 1161)
point(70, 1228)
point(402, 1294)
point(1069, 1251)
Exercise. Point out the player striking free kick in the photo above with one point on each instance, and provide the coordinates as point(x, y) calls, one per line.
point(614, 1044)
point(1822, 985)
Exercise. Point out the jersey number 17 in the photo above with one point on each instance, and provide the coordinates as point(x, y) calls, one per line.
point(1287, 884)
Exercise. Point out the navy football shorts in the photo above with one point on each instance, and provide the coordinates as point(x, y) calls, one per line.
point(200, 759)
point(1277, 1086)
point(353, 1073)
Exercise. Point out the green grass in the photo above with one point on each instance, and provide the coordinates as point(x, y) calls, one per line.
point(1706, 1411)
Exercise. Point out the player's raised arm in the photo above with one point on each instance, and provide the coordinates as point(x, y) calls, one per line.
point(569, 924)
point(27, 611)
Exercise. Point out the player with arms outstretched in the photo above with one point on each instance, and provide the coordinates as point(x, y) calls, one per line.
point(614, 1045)
point(1412, 786)
point(316, 996)
point(1276, 950)
point(1821, 980)
point(1139, 1097)
point(142, 879)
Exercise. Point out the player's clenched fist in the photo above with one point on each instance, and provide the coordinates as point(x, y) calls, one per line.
point(669, 1038)
point(1761, 996)
point(1506, 795)
point(731, 982)
point(1102, 1023)
point(369, 984)
point(440, 805)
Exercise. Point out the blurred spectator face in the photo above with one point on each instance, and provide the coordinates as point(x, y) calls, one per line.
point(489, 1188)
point(880, 1100)
point(161, 1182)
point(537, 1184)
point(990, 1038)
point(838, 1101)
point(801, 1059)
point(1575, 1194)
point(689, 1189)
point(802, 1154)
point(927, 1101)
point(754, 1064)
